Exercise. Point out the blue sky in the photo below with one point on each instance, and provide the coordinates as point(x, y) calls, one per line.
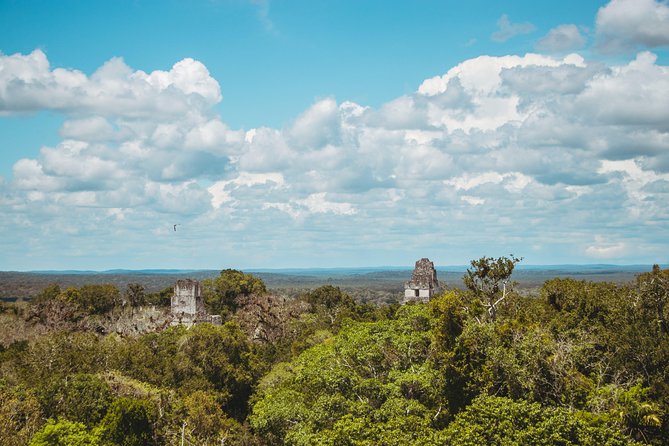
point(332, 133)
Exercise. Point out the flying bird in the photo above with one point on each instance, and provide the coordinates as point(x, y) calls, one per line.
point(175, 227)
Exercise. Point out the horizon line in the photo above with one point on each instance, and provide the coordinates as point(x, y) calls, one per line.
point(333, 268)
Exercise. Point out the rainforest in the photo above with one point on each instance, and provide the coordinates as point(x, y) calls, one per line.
point(572, 362)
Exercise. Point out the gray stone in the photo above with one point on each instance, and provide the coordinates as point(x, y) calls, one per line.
point(188, 304)
point(423, 284)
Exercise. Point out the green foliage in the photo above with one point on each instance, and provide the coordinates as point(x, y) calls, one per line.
point(20, 415)
point(162, 298)
point(56, 355)
point(370, 374)
point(220, 293)
point(80, 397)
point(579, 363)
point(53, 306)
point(50, 292)
point(135, 295)
point(329, 297)
point(654, 296)
point(522, 362)
point(149, 358)
point(64, 433)
point(99, 299)
point(206, 357)
point(580, 303)
point(630, 408)
point(330, 308)
point(502, 421)
point(488, 279)
point(218, 358)
point(206, 422)
point(128, 422)
point(449, 315)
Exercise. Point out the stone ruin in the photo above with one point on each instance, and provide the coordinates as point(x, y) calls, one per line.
point(423, 284)
point(188, 304)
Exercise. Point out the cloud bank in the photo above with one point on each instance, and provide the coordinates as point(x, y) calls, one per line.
point(558, 159)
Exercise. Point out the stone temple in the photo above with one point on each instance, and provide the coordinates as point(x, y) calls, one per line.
point(423, 284)
point(188, 304)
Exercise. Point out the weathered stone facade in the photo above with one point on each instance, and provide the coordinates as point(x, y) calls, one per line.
point(423, 284)
point(188, 304)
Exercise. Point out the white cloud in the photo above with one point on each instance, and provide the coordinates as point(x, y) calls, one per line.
point(505, 152)
point(624, 25)
point(28, 84)
point(512, 181)
point(506, 30)
point(604, 249)
point(482, 75)
point(634, 94)
point(213, 136)
point(467, 182)
point(474, 201)
point(486, 106)
point(317, 126)
point(317, 203)
point(313, 204)
point(95, 128)
point(221, 190)
point(562, 38)
point(634, 178)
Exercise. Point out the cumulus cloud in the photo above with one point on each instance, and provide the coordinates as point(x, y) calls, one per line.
point(506, 30)
point(623, 25)
point(634, 94)
point(504, 152)
point(562, 38)
point(28, 84)
point(317, 126)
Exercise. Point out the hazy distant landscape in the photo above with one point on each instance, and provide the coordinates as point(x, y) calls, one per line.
point(356, 281)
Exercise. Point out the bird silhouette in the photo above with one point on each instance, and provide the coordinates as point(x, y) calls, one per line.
point(175, 227)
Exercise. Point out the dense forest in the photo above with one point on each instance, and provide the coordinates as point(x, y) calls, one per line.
point(576, 363)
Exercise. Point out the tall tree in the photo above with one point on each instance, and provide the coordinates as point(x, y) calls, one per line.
point(221, 293)
point(654, 293)
point(488, 280)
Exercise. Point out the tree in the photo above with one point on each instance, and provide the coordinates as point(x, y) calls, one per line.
point(220, 293)
point(20, 415)
point(218, 358)
point(135, 295)
point(488, 279)
point(161, 298)
point(328, 296)
point(99, 298)
point(330, 301)
point(56, 355)
point(48, 293)
point(206, 421)
point(654, 292)
point(128, 422)
point(372, 383)
point(501, 421)
point(80, 397)
point(64, 433)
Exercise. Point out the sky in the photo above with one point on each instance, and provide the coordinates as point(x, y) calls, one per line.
point(332, 133)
